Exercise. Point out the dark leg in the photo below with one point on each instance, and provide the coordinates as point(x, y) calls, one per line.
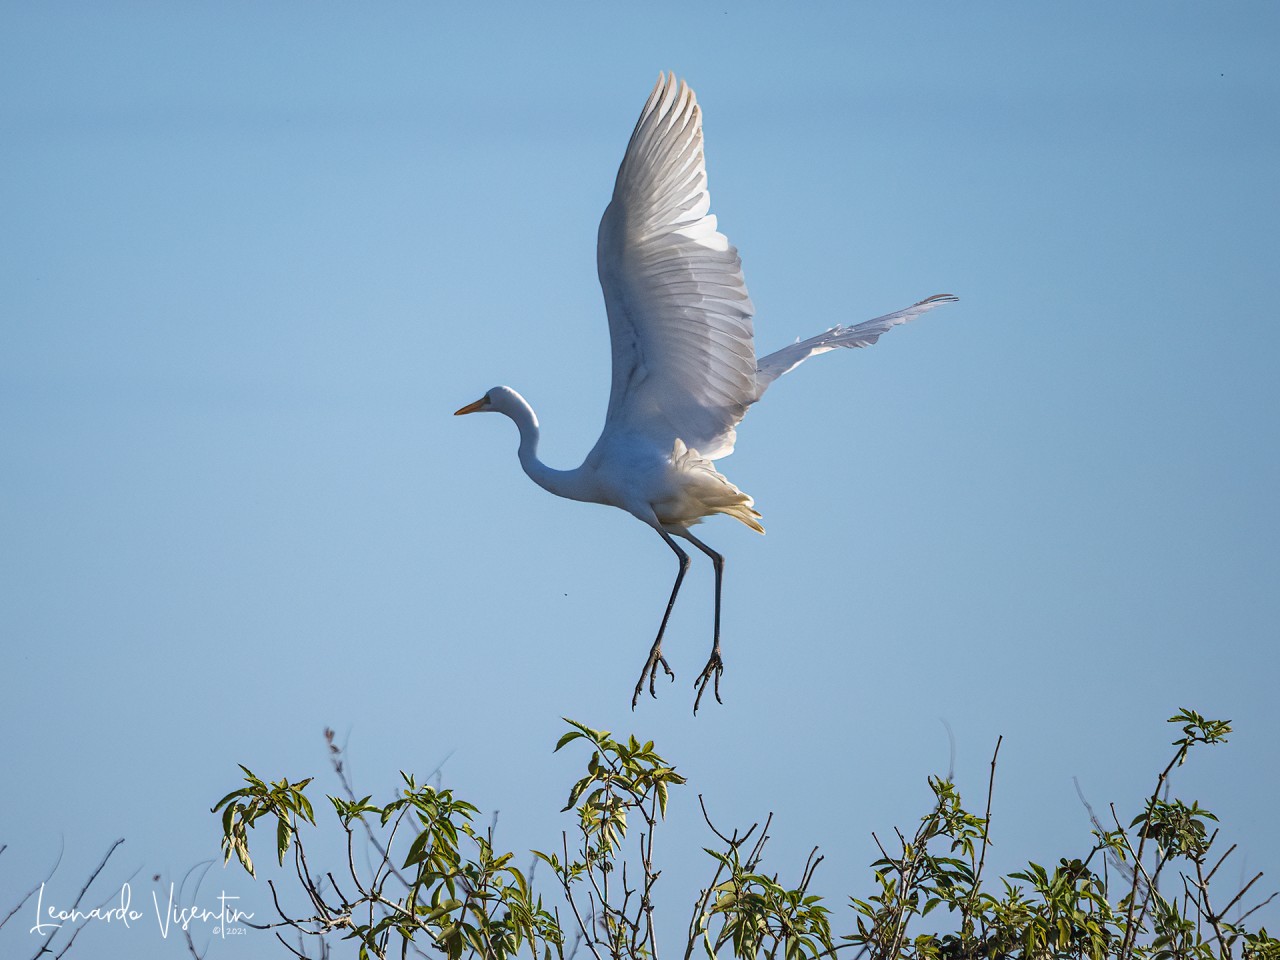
point(655, 654)
point(715, 666)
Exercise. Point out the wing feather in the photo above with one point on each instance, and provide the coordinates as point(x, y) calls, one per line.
point(860, 335)
point(679, 315)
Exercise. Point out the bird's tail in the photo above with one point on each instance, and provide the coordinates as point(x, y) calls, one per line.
point(770, 368)
point(712, 489)
point(745, 513)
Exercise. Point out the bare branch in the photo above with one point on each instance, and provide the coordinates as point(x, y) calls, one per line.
point(986, 829)
point(1243, 891)
point(47, 947)
point(32, 892)
point(1244, 916)
point(1221, 860)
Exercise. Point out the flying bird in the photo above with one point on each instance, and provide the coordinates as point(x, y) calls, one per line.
point(684, 363)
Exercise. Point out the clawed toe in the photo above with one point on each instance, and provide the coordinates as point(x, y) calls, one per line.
point(653, 675)
point(713, 669)
point(650, 670)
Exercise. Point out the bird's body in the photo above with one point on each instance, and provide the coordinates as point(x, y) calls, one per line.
point(684, 364)
point(672, 490)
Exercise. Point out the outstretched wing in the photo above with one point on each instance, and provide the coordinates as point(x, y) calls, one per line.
point(684, 364)
point(860, 335)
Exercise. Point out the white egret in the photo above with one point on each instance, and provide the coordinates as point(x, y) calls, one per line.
point(684, 363)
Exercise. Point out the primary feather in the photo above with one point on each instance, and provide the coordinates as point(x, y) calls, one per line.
point(863, 334)
point(684, 364)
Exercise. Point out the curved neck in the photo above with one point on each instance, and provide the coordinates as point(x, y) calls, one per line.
point(563, 483)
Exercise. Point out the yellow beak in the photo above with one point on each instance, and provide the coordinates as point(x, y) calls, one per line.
point(471, 407)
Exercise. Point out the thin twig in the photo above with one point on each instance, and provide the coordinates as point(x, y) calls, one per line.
point(1221, 860)
point(757, 852)
point(1244, 890)
point(1251, 910)
point(573, 905)
point(290, 949)
point(47, 877)
point(1130, 933)
point(1202, 904)
point(47, 947)
point(76, 932)
point(986, 829)
point(736, 842)
point(883, 852)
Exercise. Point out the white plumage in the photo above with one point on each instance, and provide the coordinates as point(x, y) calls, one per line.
point(684, 363)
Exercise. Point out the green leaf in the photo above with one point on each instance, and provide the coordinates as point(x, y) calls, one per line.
point(568, 738)
point(227, 816)
point(305, 805)
point(283, 834)
point(242, 854)
point(418, 849)
point(230, 796)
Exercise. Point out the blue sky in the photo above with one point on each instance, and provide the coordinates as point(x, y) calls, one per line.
point(256, 254)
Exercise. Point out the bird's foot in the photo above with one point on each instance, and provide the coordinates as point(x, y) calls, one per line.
point(651, 671)
point(714, 667)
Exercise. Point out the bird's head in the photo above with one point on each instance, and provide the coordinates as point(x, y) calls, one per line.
point(496, 400)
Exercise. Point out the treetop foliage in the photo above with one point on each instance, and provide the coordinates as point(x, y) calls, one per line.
point(1141, 890)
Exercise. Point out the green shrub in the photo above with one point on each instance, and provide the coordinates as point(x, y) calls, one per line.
point(1143, 890)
